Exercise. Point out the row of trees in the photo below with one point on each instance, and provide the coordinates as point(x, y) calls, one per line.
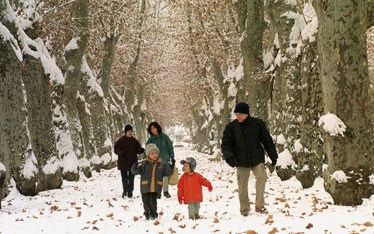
point(61, 107)
point(302, 66)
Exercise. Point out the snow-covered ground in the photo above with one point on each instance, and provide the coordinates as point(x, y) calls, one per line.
point(95, 205)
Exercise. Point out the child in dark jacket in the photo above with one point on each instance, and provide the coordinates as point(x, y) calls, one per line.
point(190, 187)
point(152, 170)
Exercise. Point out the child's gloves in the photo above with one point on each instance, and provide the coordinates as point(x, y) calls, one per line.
point(210, 188)
point(180, 200)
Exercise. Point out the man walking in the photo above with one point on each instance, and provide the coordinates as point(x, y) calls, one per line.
point(127, 148)
point(243, 143)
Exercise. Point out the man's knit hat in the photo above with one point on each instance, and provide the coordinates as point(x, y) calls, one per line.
point(128, 127)
point(242, 108)
point(149, 148)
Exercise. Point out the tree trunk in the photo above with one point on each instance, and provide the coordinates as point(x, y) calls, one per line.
point(15, 139)
point(110, 45)
point(39, 114)
point(345, 85)
point(73, 77)
point(99, 119)
point(309, 150)
point(253, 88)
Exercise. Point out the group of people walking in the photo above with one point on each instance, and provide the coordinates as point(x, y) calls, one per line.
point(244, 143)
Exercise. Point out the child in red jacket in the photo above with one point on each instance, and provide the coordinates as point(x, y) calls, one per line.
point(189, 187)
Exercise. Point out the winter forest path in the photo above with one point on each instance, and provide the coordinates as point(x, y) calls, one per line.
point(95, 205)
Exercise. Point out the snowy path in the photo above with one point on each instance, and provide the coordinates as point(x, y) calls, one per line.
point(95, 206)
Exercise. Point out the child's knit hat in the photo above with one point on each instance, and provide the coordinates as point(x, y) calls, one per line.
point(191, 161)
point(149, 148)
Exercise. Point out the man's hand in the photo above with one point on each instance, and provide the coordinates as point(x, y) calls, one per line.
point(232, 162)
point(180, 200)
point(271, 168)
point(210, 188)
point(272, 165)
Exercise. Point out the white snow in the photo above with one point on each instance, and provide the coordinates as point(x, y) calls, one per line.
point(298, 147)
point(218, 105)
point(73, 44)
point(285, 160)
point(92, 82)
point(276, 41)
point(108, 143)
point(2, 167)
point(106, 158)
point(332, 124)
point(371, 179)
point(30, 169)
point(49, 63)
point(340, 176)
point(291, 2)
point(239, 72)
point(268, 58)
point(64, 144)
point(52, 165)
point(281, 140)
point(6, 35)
point(95, 205)
point(95, 160)
point(83, 162)
point(311, 27)
point(70, 163)
point(305, 168)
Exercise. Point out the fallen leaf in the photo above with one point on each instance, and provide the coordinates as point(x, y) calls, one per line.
point(251, 232)
point(156, 222)
point(309, 226)
point(280, 199)
point(95, 228)
point(171, 230)
point(269, 220)
point(275, 230)
point(182, 226)
point(109, 215)
point(79, 213)
point(368, 224)
point(216, 220)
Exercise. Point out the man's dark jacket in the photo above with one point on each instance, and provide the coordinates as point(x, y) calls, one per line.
point(127, 149)
point(243, 143)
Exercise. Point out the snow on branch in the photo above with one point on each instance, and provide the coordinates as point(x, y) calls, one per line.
point(332, 124)
point(340, 176)
point(23, 18)
point(2, 167)
point(73, 44)
point(7, 36)
point(285, 160)
point(92, 83)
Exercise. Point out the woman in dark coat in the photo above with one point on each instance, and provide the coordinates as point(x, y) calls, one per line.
point(127, 148)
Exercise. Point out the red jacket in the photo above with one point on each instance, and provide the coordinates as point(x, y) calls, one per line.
point(189, 187)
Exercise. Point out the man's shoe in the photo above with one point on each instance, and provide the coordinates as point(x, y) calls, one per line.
point(124, 194)
point(261, 210)
point(147, 217)
point(245, 214)
point(129, 194)
point(167, 195)
point(159, 196)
